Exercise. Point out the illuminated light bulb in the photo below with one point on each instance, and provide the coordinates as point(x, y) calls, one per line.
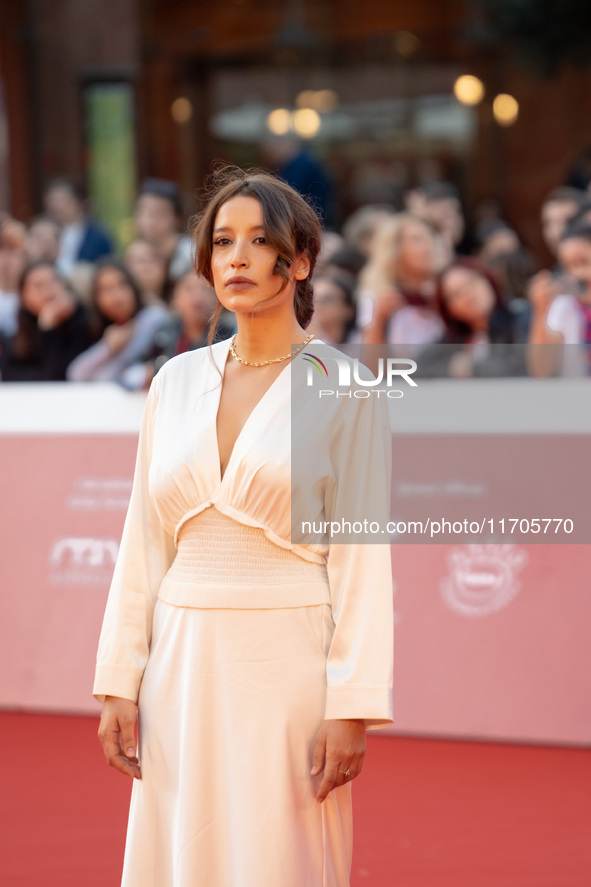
point(279, 121)
point(469, 90)
point(505, 109)
point(306, 122)
point(181, 110)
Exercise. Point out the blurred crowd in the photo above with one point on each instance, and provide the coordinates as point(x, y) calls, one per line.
point(72, 308)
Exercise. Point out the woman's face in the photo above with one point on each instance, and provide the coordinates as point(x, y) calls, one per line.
point(331, 311)
point(416, 251)
point(243, 262)
point(42, 285)
point(575, 257)
point(193, 299)
point(12, 262)
point(469, 297)
point(500, 243)
point(43, 240)
point(114, 296)
point(155, 218)
point(146, 265)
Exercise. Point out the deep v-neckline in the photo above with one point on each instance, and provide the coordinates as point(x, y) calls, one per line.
point(246, 422)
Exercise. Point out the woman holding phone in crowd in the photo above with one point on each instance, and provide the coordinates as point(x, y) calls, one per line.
point(561, 310)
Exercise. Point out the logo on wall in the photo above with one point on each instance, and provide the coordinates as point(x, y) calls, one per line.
point(482, 579)
point(82, 560)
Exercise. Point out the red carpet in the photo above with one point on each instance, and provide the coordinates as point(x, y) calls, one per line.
point(427, 813)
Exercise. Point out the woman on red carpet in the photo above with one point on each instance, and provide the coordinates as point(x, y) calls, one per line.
point(256, 662)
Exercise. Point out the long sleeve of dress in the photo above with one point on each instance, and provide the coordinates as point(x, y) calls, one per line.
point(145, 555)
point(360, 659)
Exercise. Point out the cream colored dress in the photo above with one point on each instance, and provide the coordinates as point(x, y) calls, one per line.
point(237, 642)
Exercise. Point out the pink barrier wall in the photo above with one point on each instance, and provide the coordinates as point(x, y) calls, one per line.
point(63, 506)
point(491, 642)
point(509, 663)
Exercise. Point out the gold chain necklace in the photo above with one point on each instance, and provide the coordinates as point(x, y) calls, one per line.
point(249, 363)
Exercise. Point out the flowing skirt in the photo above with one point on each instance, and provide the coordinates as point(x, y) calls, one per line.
point(229, 708)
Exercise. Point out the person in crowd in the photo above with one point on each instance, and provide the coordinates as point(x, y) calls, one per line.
point(298, 166)
point(558, 208)
point(127, 327)
point(192, 304)
point(583, 214)
point(335, 309)
point(483, 336)
point(194, 301)
point(397, 287)
point(43, 239)
point(82, 239)
point(13, 259)
point(439, 204)
point(515, 270)
point(148, 267)
point(158, 220)
point(579, 174)
point(43, 242)
point(512, 264)
point(361, 227)
point(52, 328)
point(496, 238)
point(561, 309)
point(347, 258)
point(487, 209)
point(331, 244)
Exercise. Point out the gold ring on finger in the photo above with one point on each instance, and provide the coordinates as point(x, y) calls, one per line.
point(346, 772)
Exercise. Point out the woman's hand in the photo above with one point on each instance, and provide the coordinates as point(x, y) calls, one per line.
point(57, 310)
point(117, 336)
point(541, 292)
point(388, 302)
point(339, 752)
point(117, 735)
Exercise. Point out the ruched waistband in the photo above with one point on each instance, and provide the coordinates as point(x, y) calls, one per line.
point(223, 563)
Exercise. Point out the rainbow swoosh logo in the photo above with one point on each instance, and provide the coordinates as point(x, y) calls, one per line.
point(315, 361)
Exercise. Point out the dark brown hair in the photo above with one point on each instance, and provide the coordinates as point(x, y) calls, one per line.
point(25, 343)
point(291, 227)
point(565, 194)
point(580, 231)
point(457, 330)
point(99, 320)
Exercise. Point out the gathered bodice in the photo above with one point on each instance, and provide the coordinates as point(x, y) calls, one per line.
point(184, 474)
point(221, 562)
